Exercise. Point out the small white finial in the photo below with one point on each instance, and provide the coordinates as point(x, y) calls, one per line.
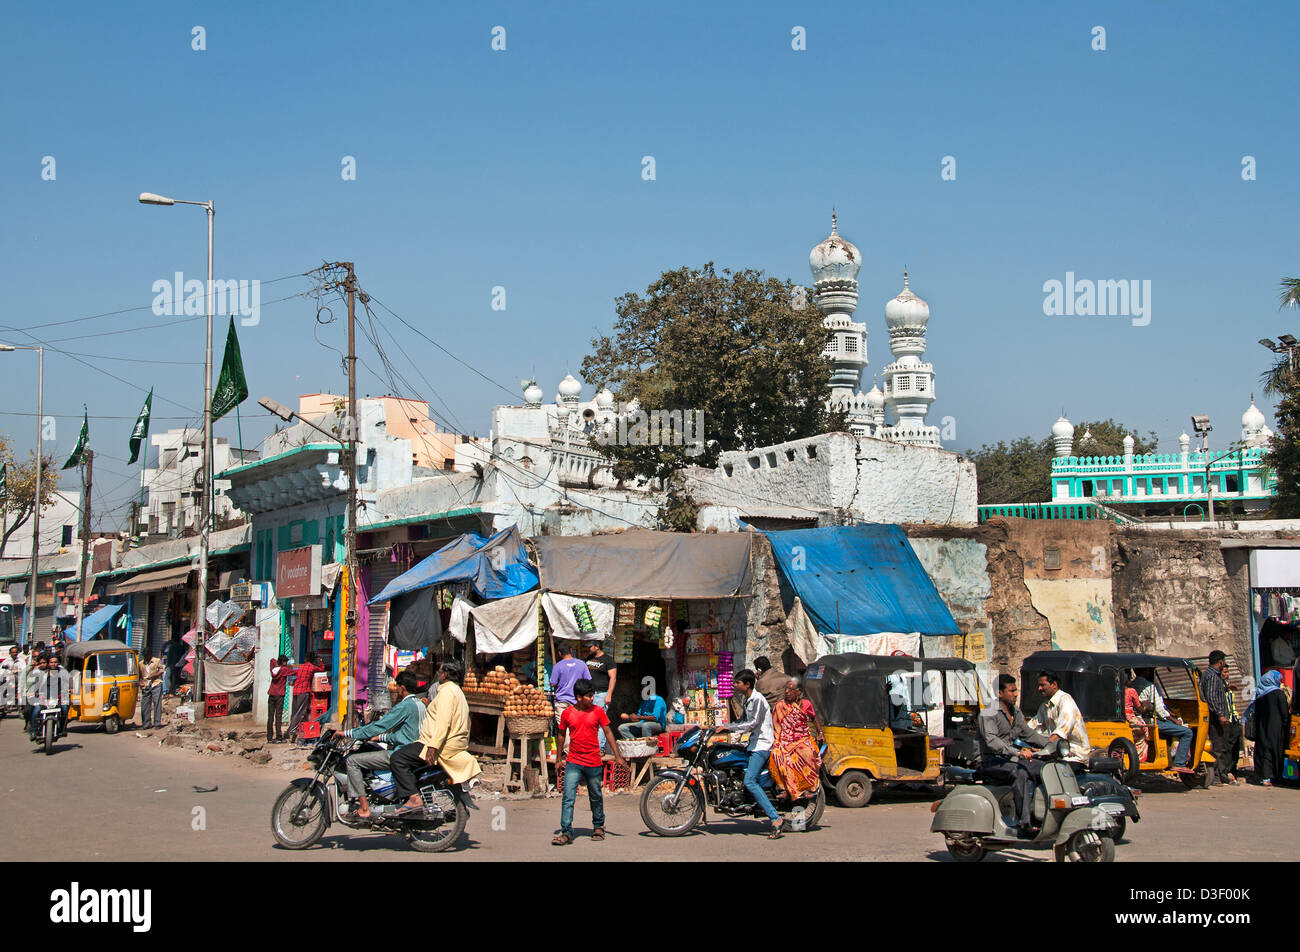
point(904, 277)
point(834, 223)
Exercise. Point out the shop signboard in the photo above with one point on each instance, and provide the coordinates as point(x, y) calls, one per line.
point(297, 572)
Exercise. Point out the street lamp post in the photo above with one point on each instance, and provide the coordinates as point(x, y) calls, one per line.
point(149, 198)
point(36, 500)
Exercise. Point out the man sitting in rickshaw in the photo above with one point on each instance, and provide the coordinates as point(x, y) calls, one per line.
point(1000, 727)
point(1171, 727)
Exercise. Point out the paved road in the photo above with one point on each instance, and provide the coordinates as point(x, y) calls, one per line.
point(136, 801)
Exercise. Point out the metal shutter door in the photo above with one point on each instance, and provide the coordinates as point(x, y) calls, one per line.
point(381, 573)
point(139, 620)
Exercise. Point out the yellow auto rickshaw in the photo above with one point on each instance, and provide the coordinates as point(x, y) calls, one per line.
point(105, 682)
point(1096, 681)
point(1291, 758)
point(892, 719)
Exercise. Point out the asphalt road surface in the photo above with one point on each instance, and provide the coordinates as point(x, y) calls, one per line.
point(137, 801)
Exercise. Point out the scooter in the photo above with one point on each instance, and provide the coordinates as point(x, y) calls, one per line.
point(973, 818)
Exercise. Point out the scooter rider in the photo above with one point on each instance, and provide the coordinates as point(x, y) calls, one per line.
point(1000, 726)
point(399, 726)
point(1060, 718)
point(48, 685)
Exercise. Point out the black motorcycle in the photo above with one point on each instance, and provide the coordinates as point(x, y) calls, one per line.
point(673, 802)
point(308, 805)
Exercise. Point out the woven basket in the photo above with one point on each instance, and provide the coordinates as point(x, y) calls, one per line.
point(521, 724)
point(639, 747)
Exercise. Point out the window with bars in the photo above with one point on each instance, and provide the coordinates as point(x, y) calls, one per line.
point(850, 344)
point(902, 382)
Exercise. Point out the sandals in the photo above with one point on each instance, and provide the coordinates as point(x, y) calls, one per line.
point(598, 833)
point(562, 840)
point(777, 831)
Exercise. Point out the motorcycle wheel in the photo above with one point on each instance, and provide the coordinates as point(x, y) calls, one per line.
point(312, 819)
point(966, 852)
point(49, 730)
point(664, 818)
point(816, 810)
point(1087, 846)
point(439, 838)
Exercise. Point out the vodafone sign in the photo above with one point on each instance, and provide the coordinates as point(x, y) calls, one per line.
point(297, 572)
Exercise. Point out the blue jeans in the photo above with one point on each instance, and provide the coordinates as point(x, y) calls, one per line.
point(599, 701)
point(594, 777)
point(757, 761)
point(1177, 733)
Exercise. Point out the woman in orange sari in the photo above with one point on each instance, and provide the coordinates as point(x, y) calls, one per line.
point(796, 762)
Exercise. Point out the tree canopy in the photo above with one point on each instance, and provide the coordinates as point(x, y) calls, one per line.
point(740, 347)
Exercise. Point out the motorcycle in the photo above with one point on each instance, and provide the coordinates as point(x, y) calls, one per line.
point(973, 818)
point(307, 807)
point(1103, 784)
point(47, 728)
point(673, 803)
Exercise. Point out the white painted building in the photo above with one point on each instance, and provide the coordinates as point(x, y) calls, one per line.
point(60, 527)
point(172, 487)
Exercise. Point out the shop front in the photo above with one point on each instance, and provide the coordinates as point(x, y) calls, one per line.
point(1275, 611)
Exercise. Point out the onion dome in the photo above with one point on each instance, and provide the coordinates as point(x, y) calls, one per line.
point(1252, 419)
point(532, 393)
point(875, 397)
point(605, 399)
point(836, 258)
point(1063, 429)
point(906, 310)
point(1128, 444)
point(1184, 441)
point(569, 387)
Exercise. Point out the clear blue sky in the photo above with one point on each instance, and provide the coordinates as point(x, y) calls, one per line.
point(523, 169)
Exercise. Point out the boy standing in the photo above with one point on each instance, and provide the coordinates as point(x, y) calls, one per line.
point(580, 725)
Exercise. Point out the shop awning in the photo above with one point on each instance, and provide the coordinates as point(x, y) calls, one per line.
point(158, 581)
point(497, 567)
point(861, 580)
point(97, 622)
point(641, 563)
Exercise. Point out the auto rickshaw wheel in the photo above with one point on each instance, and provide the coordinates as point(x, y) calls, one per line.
point(965, 851)
point(112, 724)
point(853, 789)
point(1199, 780)
point(1126, 751)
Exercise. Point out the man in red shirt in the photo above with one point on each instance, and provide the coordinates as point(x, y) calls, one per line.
point(281, 670)
point(583, 722)
point(302, 692)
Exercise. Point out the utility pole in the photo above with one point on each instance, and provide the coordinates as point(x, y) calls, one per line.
point(82, 594)
point(350, 536)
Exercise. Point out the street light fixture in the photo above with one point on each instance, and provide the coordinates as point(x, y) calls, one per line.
point(149, 198)
point(36, 500)
point(284, 413)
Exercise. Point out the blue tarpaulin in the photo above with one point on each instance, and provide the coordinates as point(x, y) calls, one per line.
point(868, 574)
point(497, 567)
point(97, 621)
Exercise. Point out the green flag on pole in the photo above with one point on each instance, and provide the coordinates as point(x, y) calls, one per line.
point(82, 440)
point(232, 388)
point(4, 483)
point(140, 433)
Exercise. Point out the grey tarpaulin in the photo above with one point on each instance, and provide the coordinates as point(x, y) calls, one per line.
point(415, 622)
point(640, 563)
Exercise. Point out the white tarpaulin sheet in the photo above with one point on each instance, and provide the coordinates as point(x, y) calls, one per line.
point(804, 639)
point(226, 678)
point(884, 643)
point(559, 612)
point(459, 623)
point(505, 625)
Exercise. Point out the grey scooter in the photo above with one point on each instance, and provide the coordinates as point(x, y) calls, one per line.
point(972, 817)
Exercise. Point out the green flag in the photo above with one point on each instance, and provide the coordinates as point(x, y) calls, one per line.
point(232, 388)
point(82, 440)
point(4, 483)
point(140, 433)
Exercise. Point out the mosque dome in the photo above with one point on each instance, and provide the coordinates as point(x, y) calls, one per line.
point(569, 389)
point(906, 310)
point(532, 394)
point(876, 397)
point(836, 258)
point(1063, 429)
point(605, 399)
point(1252, 419)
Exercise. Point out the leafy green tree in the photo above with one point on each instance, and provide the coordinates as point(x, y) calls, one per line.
point(741, 347)
point(21, 484)
point(1106, 438)
point(1283, 456)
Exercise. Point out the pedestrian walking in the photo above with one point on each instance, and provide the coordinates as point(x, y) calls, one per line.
point(796, 761)
point(580, 724)
point(566, 673)
point(757, 722)
point(1272, 718)
point(151, 691)
point(1225, 725)
point(302, 678)
point(281, 670)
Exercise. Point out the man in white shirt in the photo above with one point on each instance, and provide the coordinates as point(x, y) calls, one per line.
point(1173, 728)
point(12, 669)
point(1060, 718)
point(757, 721)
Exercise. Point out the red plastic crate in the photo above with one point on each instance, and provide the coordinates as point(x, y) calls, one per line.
point(617, 777)
point(309, 729)
point(216, 705)
point(667, 741)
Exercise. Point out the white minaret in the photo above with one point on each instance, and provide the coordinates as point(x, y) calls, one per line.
point(909, 382)
point(1253, 426)
point(835, 264)
point(1063, 437)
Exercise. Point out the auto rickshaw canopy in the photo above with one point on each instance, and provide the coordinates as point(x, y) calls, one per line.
point(1094, 679)
point(80, 650)
point(852, 690)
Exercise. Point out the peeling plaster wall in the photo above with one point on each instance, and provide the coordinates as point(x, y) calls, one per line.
point(1078, 610)
point(959, 569)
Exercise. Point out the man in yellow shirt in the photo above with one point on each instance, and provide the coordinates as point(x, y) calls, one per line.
point(444, 740)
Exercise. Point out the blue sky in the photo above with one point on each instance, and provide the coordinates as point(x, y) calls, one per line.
point(522, 169)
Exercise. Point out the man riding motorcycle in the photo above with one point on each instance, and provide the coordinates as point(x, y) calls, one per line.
point(1000, 726)
point(399, 726)
point(48, 685)
point(443, 739)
